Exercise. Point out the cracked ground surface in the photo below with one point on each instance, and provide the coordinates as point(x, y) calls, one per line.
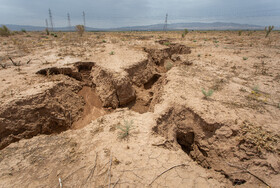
point(178, 138)
point(82, 158)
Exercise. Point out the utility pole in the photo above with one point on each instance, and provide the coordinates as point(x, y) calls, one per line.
point(69, 22)
point(51, 20)
point(47, 24)
point(84, 18)
point(165, 23)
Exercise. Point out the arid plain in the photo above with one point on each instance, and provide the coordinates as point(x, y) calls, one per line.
point(140, 109)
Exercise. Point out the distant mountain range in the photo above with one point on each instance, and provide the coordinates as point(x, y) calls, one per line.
point(155, 27)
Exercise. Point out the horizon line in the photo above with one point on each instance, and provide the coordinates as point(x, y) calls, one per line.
point(141, 25)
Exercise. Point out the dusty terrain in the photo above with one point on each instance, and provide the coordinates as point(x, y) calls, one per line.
point(126, 109)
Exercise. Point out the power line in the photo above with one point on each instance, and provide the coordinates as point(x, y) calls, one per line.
point(51, 19)
point(69, 21)
point(84, 18)
point(165, 23)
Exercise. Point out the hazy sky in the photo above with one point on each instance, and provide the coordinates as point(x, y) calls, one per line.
point(115, 13)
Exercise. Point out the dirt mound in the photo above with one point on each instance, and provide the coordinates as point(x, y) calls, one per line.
point(217, 147)
point(48, 111)
point(141, 72)
point(114, 89)
point(158, 56)
point(54, 108)
point(132, 85)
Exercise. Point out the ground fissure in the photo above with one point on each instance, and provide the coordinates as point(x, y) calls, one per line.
point(150, 91)
point(97, 91)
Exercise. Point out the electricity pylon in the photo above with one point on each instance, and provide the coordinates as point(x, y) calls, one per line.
point(51, 19)
point(69, 22)
point(165, 23)
point(84, 18)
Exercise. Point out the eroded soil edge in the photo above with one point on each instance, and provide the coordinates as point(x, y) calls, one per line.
point(84, 92)
point(215, 146)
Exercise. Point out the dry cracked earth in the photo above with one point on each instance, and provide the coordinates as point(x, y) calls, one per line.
point(127, 109)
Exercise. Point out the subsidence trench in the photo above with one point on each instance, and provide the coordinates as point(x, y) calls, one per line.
point(84, 92)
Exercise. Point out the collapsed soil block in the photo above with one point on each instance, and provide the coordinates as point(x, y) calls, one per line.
point(51, 110)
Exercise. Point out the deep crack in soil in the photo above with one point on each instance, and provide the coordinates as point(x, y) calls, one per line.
point(212, 146)
point(83, 93)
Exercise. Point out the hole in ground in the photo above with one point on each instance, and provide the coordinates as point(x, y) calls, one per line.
point(186, 139)
point(84, 66)
point(238, 182)
point(65, 71)
point(144, 96)
point(152, 81)
point(84, 69)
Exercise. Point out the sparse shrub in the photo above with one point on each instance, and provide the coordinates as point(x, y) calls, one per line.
point(245, 58)
point(268, 30)
point(112, 53)
point(125, 129)
point(104, 41)
point(208, 93)
point(256, 90)
point(250, 33)
point(168, 65)
point(240, 33)
point(80, 29)
point(47, 31)
point(186, 31)
point(256, 94)
point(23, 30)
point(4, 31)
point(54, 34)
point(257, 138)
point(166, 43)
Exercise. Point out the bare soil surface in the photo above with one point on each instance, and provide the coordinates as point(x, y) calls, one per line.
point(126, 109)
